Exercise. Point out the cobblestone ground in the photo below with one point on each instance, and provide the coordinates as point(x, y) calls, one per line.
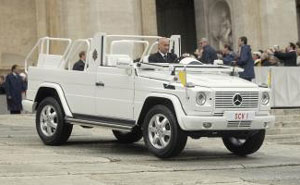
point(92, 156)
point(3, 106)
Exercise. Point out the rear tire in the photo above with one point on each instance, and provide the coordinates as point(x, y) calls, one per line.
point(162, 134)
point(128, 137)
point(50, 123)
point(243, 147)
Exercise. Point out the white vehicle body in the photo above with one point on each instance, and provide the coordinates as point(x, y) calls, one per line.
point(113, 91)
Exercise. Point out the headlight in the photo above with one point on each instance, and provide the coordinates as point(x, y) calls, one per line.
point(200, 98)
point(265, 99)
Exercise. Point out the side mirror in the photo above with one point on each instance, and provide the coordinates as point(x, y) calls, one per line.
point(124, 62)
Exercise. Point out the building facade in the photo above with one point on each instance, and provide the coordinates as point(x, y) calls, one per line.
point(264, 22)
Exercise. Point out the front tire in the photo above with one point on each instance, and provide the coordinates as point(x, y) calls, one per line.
point(50, 123)
point(162, 134)
point(243, 147)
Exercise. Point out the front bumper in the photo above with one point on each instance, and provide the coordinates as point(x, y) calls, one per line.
point(29, 105)
point(196, 123)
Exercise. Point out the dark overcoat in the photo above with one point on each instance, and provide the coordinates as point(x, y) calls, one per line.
point(14, 86)
point(209, 55)
point(158, 58)
point(79, 66)
point(246, 62)
point(289, 59)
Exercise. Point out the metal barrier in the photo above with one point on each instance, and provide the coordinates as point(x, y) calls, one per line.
point(284, 83)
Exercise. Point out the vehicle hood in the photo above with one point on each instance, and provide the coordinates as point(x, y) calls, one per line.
point(213, 80)
point(217, 80)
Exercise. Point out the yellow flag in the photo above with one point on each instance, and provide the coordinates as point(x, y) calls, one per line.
point(269, 79)
point(182, 77)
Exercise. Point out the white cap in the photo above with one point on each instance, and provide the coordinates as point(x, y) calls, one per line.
point(23, 75)
point(257, 53)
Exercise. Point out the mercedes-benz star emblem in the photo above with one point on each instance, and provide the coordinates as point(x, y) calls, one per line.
point(237, 100)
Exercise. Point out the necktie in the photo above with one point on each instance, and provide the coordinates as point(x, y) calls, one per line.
point(165, 58)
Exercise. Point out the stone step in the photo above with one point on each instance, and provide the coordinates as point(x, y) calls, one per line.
point(284, 118)
point(288, 130)
point(284, 138)
point(287, 124)
point(285, 112)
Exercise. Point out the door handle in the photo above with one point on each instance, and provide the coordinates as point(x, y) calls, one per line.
point(100, 84)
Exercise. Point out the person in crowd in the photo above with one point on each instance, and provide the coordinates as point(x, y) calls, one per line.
point(257, 58)
point(163, 55)
point(208, 54)
point(274, 61)
point(14, 86)
point(2, 80)
point(289, 57)
point(228, 55)
point(79, 65)
point(245, 60)
point(265, 59)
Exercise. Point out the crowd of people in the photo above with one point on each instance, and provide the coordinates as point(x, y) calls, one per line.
point(244, 57)
point(274, 56)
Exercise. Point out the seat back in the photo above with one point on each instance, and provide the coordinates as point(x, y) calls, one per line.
point(49, 61)
point(111, 60)
point(122, 48)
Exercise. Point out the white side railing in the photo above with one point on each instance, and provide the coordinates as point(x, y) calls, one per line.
point(41, 43)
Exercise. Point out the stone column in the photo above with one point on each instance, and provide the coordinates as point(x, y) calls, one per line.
point(41, 18)
point(54, 13)
point(17, 32)
point(149, 21)
point(265, 22)
point(201, 19)
point(246, 18)
point(279, 22)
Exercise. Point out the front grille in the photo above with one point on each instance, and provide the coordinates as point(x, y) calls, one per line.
point(239, 124)
point(224, 99)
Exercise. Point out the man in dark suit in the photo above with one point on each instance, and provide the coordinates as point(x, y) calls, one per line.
point(79, 65)
point(163, 55)
point(245, 60)
point(209, 54)
point(290, 57)
point(14, 87)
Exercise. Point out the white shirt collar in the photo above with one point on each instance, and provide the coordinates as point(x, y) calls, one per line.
point(162, 53)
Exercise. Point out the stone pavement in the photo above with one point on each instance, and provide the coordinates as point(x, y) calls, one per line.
point(92, 156)
point(3, 105)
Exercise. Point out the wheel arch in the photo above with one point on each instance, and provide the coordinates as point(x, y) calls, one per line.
point(171, 101)
point(52, 90)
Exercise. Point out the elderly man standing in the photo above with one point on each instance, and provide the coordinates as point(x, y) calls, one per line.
point(245, 60)
point(209, 54)
point(14, 86)
point(163, 55)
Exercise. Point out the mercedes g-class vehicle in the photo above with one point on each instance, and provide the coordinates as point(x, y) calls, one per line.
point(162, 103)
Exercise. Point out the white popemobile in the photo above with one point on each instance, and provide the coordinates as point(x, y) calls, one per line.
point(163, 103)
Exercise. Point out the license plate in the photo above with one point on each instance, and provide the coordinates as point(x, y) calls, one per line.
point(240, 116)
